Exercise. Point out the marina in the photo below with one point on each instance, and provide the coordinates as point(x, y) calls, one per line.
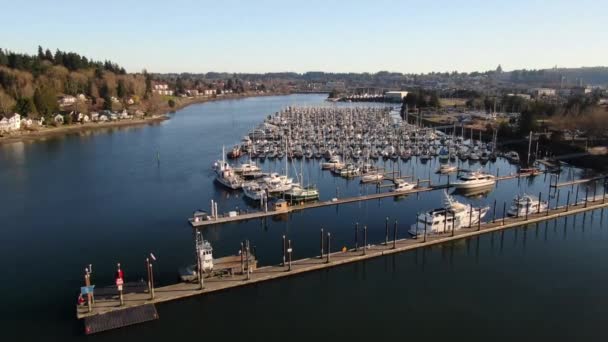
point(331, 258)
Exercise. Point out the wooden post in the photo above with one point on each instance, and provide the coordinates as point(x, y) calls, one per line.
point(445, 220)
point(395, 235)
point(424, 236)
point(247, 259)
point(328, 246)
point(504, 212)
point(540, 200)
point(386, 232)
point(527, 207)
point(151, 281)
point(453, 219)
point(284, 251)
point(576, 196)
point(242, 254)
point(586, 195)
point(567, 201)
point(494, 212)
point(356, 236)
point(87, 282)
point(557, 199)
point(479, 219)
point(470, 218)
point(322, 236)
point(364, 240)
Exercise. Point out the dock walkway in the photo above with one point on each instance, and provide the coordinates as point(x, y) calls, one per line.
point(184, 290)
point(263, 214)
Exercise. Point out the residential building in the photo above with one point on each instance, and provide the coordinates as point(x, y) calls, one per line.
point(395, 95)
point(543, 92)
point(10, 123)
point(67, 100)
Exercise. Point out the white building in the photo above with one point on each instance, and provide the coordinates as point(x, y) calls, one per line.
point(12, 122)
point(162, 89)
point(58, 119)
point(67, 100)
point(395, 95)
point(540, 92)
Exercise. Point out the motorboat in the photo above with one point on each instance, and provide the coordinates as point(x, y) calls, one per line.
point(401, 186)
point(526, 204)
point(453, 216)
point(474, 179)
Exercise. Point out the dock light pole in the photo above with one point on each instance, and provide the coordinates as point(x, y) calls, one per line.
point(386, 232)
point(328, 246)
point(119, 282)
point(284, 250)
point(289, 250)
point(504, 212)
point(364, 240)
point(356, 236)
point(395, 235)
point(322, 236)
point(494, 212)
point(242, 254)
point(150, 276)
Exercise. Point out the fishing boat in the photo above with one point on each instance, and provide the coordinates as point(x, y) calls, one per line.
point(235, 153)
point(526, 204)
point(298, 193)
point(224, 174)
point(474, 179)
point(453, 216)
point(401, 186)
point(333, 163)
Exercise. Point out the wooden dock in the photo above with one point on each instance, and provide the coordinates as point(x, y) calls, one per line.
point(222, 219)
point(178, 291)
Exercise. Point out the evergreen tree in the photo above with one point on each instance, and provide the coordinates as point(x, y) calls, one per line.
point(25, 106)
point(40, 53)
point(121, 90)
point(45, 100)
point(3, 57)
point(58, 57)
point(48, 55)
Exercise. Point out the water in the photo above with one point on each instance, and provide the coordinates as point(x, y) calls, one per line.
point(104, 197)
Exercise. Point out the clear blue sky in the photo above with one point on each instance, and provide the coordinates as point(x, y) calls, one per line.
point(340, 36)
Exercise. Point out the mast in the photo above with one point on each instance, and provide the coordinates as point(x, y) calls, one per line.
point(529, 147)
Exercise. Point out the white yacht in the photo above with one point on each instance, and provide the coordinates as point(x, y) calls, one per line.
point(401, 186)
point(277, 183)
point(526, 203)
point(246, 168)
point(447, 168)
point(474, 179)
point(372, 178)
point(254, 191)
point(454, 215)
point(333, 163)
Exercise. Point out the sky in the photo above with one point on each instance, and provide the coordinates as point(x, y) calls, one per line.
point(310, 35)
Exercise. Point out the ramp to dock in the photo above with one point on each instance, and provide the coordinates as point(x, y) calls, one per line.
point(120, 318)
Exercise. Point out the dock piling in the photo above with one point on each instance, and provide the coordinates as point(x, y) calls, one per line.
point(540, 201)
point(364, 240)
point(328, 246)
point(289, 250)
point(567, 201)
point(504, 212)
point(395, 235)
point(284, 251)
point(386, 232)
point(356, 236)
point(322, 236)
point(557, 200)
point(494, 212)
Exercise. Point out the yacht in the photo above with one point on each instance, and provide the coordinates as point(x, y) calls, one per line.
point(372, 178)
point(454, 215)
point(447, 168)
point(250, 167)
point(475, 179)
point(401, 186)
point(513, 157)
point(277, 183)
point(333, 163)
point(526, 203)
point(254, 191)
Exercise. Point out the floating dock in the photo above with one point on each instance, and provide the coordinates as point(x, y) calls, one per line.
point(337, 201)
point(106, 307)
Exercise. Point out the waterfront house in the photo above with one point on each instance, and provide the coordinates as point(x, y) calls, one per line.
point(103, 118)
point(113, 116)
point(124, 115)
point(162, 89)
point(26, 122)
point(58, 119)
point(11, 122)
point(139, 113)
point(94, 116)
point(67, 100)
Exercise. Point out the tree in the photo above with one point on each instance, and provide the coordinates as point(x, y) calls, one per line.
point(7, 103)
point(25, 106)
point(48, 55)
point(171, 103)
point(40, 53)
point(45, 100)
point(121, 90)
point(107, 101)
point(527, 122)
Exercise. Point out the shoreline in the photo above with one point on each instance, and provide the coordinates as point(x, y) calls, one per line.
point(33, 135)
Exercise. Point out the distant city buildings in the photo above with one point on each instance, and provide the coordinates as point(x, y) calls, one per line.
point(162, 89)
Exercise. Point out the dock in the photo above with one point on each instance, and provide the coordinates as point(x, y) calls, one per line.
point(222, 219)
point(111, 304)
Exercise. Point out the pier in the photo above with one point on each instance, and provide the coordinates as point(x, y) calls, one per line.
point(336, 201)
point(111, 305)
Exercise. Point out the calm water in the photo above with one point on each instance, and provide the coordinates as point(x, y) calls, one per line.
point(102, 197)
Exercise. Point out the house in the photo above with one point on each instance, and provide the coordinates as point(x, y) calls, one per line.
point(94, 116)
point(139, 113)
point(81, 97)
point(395, 95)
point(130, 101)
point(67, 100)
point(209, 92)
point(523, 96)
point(543, 92)
point(114, 99)
point(85, 118)
point(41, 121)
point(26, 122)
point(124, 115)
point(162, 89)
point(192, 92)
point(58, 119)
point(113, 117)
point(103, 118)
point(11, 122)
point(579, 91)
